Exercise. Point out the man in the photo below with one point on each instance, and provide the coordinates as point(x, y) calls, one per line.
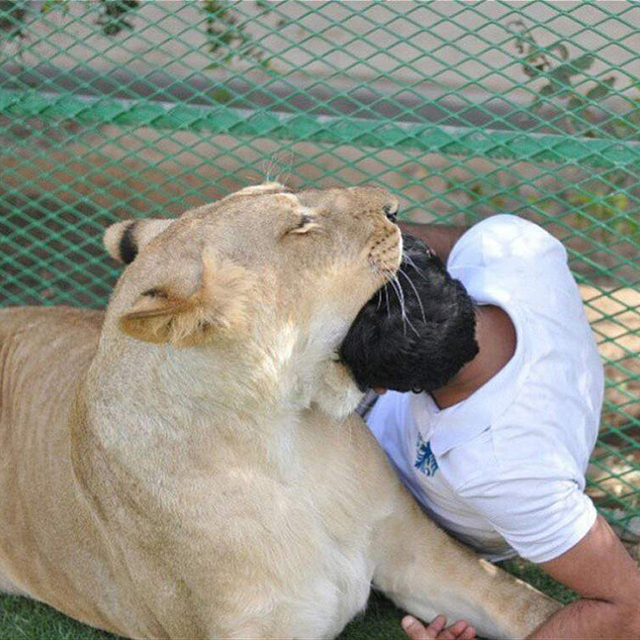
point(497, 454)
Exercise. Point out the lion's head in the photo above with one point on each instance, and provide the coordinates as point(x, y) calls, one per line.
point(265, 271)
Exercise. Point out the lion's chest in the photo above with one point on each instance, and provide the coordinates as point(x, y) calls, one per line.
point(307, 550)
point(285, 547)
point(335, 596)
point(332, 578)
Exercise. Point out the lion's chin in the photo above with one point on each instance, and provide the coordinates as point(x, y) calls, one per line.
point(336, 393)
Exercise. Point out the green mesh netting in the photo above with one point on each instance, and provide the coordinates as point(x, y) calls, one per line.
point(121, 108)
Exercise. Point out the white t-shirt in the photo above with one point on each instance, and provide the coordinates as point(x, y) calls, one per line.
point(504, 469)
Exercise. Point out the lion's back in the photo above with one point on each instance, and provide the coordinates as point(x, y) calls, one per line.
point(44, 352)
point(49, 334)
point(18, 320)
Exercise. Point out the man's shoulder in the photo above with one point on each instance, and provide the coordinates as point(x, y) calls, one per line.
point(505, 259)
point(504, 238)
point(516, 446)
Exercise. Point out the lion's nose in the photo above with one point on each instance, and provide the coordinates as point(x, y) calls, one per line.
point(391, 211)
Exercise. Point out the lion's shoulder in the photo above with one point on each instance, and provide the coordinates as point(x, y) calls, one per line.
point(14, 320)
point(49, 336)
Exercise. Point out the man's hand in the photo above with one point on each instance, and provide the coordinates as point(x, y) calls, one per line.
point(436, 630)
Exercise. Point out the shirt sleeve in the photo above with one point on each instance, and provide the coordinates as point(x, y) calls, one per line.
point(505, 258)
point(505, 239)
point(539, 516)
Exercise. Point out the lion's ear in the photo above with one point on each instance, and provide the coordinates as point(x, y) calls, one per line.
point(219, 307)
point(123, 240)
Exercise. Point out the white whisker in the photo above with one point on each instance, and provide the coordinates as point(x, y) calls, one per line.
point(409, 259)
point(386, 295)
point(400, 295)
point(406, 275)
point(382, 274)
point(397, 287)
point(285, 169)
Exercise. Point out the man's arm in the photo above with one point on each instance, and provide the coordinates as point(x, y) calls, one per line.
point(599, 570)
point(439, 237)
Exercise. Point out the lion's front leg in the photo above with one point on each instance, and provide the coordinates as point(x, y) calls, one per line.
point(7, 587)
point(427, 573)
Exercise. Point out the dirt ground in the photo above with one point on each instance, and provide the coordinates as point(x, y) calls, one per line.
point(615, 466)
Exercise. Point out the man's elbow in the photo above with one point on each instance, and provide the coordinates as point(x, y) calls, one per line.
point(627, 618)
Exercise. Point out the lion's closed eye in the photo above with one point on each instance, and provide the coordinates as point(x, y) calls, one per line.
point(305, 225)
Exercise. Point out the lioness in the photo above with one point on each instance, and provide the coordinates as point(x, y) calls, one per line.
point(188, 465)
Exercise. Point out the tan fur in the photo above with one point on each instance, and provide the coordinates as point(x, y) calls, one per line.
point(219, 305)
point(144, 231)
point(188, 465)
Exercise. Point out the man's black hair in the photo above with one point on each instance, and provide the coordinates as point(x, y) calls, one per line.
point(419, 349)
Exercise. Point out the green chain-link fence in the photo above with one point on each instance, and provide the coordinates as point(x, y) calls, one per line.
point(122, 108)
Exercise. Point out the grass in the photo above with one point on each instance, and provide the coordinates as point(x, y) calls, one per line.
point(23, 619)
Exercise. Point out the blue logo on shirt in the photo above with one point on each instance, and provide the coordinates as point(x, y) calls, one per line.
point(425, 460)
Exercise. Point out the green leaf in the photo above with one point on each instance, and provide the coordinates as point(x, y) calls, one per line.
point(563, 73)
point(522, 36)
point(575, 103)
point(619, 201)
point(12, 15)
point(531, 70)
point(49, 5)
point(601, 90)
point(566, 71)
point(554, 90)
point(222, 95)
point(583, 63)
point(563, 52)
point(578, 198)
point(630, 227)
